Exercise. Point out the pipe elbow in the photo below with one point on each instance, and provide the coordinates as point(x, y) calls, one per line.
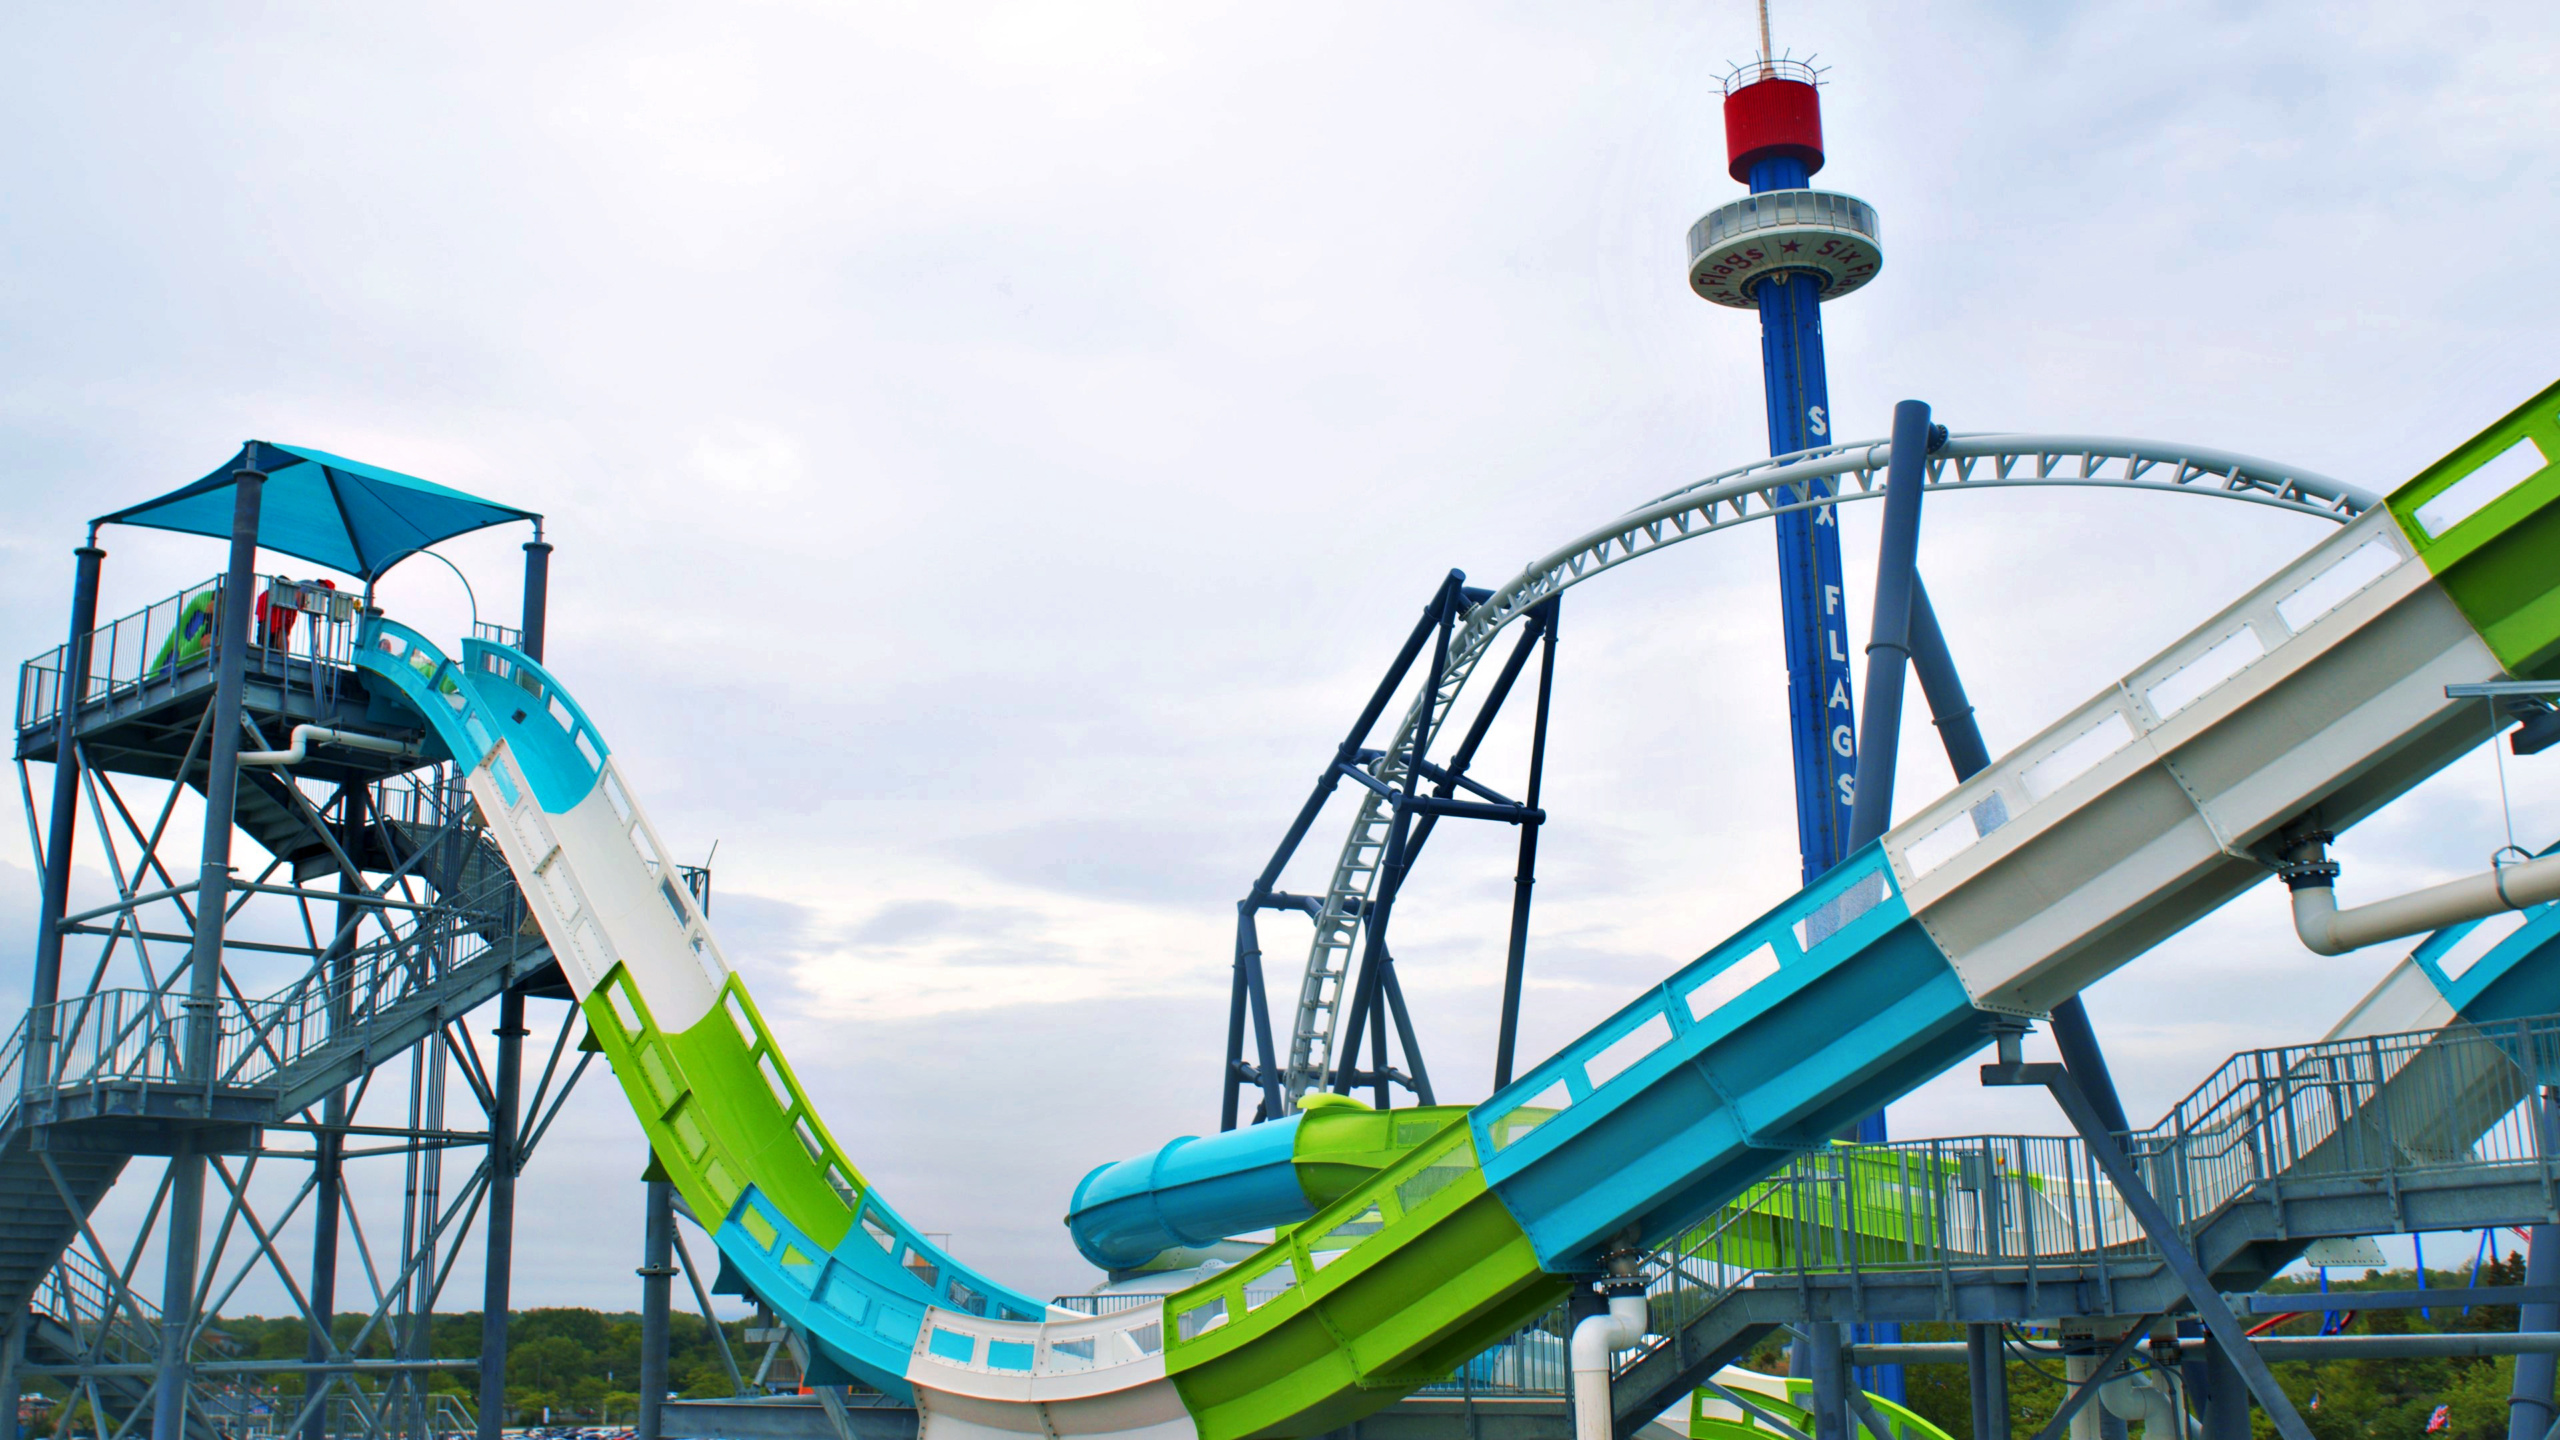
point(2315, 919)
point(1600, 1336)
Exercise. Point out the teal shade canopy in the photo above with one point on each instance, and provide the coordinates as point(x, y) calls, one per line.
point(357, 518)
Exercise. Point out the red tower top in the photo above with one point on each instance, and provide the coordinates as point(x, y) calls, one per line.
point(1771, 109)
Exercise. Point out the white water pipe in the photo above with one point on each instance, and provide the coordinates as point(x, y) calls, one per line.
point(1594, 1340)
point(2329, 930)
point(2142, 1397)
point(303, 735)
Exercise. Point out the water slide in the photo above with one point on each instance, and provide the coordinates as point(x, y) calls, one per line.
point(2320, 692)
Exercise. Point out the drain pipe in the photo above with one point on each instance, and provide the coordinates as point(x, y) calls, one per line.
point(1599, 1336)
point(2312, 877)
point(303, 735)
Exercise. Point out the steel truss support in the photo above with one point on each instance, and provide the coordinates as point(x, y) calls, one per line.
point(1376, 997)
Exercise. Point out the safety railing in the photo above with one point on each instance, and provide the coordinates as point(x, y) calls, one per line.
point(303, 633)
point(405, 943)
point(2377, 1111)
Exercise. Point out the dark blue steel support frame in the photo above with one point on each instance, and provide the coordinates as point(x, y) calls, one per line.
point(1247, 997)
point(1375, 998)
point(1888, 656)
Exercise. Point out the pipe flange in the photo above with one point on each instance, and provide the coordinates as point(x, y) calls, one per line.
point(2308, 874)
point(1616, 1285)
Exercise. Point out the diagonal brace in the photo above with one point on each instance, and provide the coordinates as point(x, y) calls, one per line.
point(2182, 1261)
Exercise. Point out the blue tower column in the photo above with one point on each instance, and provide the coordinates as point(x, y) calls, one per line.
point(1783, 251)
point(1822, 720)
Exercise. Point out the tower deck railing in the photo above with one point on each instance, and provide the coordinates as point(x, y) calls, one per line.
point(172, 636)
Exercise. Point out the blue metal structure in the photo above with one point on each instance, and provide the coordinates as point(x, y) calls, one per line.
point(1822, 722)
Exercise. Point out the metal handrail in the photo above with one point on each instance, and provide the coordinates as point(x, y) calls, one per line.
point(2372, 1109)
point(175, 635)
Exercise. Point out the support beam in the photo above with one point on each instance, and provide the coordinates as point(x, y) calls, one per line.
point(329, 1146)
point(1889, 633)
point(657, 1292)
point(1987, 1380)
point(2529, 1404)
point(537, 592)
point(1524, 877)
point(1830, 1385)
point(498, 1269)
point(204, 963)
point(62, 821)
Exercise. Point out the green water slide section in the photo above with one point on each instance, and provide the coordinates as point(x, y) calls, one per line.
point(1392, 1285)
point(2498, 572)
point(1707, 1422)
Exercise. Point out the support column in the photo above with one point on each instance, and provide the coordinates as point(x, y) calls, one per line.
point(13, 1351)
point(1524, 878)
point(1830, 1384)
point(1987, 1380)
point(63, 818)
point(499, 1265)
point(204, 960)
point(329, 1147)
point(537, 592)
point(2226, 1395)
point(657, 1290)
point(2529, 1404)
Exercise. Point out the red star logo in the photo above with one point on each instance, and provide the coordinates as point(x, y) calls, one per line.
point(1789, 247)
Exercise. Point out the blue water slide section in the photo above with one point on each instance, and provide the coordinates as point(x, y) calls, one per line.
point(2517, 976)
point(1815, 1014)
point(493, 692)
point(1190, 1192)
point(862, 1302)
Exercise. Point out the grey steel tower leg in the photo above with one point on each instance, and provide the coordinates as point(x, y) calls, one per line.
point(63, 819)
point(204, 961)
point(2529, 1407)
point(1987, 1374)
point(657, 1289)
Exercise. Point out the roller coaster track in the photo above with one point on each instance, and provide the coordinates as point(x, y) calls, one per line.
point(1806, 480)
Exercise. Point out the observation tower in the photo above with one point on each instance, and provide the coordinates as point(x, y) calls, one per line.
point(1783, 250)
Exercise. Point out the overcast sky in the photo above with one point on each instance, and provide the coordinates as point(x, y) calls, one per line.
point(993, 450)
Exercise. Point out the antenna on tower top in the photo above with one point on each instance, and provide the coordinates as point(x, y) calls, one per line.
point(1766, 54)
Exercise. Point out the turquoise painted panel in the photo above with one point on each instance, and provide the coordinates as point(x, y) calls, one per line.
point(1805, 1020)
point(2517, 976)
point(426, 682)
point(1190, 1192)
point(865, 1326)
point(559, 749)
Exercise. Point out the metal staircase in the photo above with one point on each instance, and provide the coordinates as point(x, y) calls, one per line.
point(2376, 1135)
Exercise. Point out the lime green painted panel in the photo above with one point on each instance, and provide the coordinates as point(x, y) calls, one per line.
point(1341, 1142)
point(720, 1107)
point(1903, 1422)
point(2501, 561)
point(1392, 1285)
